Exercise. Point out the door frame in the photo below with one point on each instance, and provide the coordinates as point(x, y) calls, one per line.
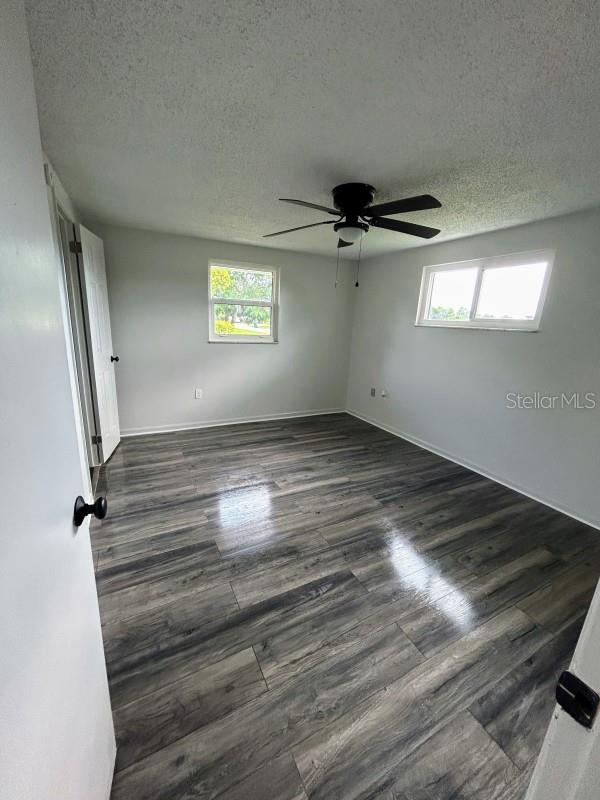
point(69, 345)
point(76, 324)
point(79, 334)
point(74, 314)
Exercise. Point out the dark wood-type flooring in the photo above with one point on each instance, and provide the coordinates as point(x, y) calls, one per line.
point(313, 608)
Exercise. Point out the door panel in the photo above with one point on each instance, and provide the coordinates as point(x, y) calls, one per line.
point(96, 291)
point(569, 764)
point(56, 734)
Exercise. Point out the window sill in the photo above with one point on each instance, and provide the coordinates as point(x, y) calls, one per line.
point(466, 327)
point(245, 340)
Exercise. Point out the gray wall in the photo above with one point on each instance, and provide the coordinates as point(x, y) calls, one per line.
point(159, 317)
point(447, 387)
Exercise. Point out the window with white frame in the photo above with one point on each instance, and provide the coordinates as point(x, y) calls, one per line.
point(243, 302)
point(501, 293)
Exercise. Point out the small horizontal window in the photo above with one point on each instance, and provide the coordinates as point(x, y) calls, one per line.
point(501, 293)
point(242, 303)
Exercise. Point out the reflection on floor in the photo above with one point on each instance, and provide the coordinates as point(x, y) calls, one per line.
point(313, 608)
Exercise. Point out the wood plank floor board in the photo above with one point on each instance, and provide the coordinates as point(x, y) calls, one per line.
point(145, 634)
point(405, 575)
point(566, 538)
point(239, 526)
point(272, 551)
point(170, 517)
point(556, 604)
point(287, 651)
point(516, 710)
point(123, 481)
point(295, 572)
point(228, 750)
point(134, 501)
point(516, 789)
point(314, 608)
point(233, 505)
point(126, 552)
point(351, 756)
point(147, 567)
point(369, 527)
point(439, 537)
point(140, 599)
point(453, 534)
point(432, 626)
point(141, 671)
point(154, 721)
point(434, 481)
point(277, 779)
point(460, 760)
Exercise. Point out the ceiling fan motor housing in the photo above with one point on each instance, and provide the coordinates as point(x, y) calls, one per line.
point(352, 198)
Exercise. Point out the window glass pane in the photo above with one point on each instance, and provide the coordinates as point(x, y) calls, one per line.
point(241, 284)
point(237, 320)
point(452, 294)
point(511, 292)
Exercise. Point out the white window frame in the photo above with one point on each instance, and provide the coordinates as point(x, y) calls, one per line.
point(215, 338)
point(515, 260)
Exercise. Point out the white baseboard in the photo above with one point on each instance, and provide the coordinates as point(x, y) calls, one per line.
point(475, 468)
point(215, 423)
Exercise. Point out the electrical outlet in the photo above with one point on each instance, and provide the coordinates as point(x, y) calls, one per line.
point(373, 391)
point(198, 394)
point(384, 392)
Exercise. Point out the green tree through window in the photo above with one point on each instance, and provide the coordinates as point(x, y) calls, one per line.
point(240, 316)
point(441, 312)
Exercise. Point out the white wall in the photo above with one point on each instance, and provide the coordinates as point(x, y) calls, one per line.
point(56, 734)
point(159, 317)
point(447, 387)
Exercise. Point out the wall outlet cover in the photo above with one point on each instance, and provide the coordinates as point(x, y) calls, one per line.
point(198, 394)
point(373, 391)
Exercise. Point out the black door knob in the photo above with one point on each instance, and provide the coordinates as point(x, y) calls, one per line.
point(82, 509)
point(114, 358)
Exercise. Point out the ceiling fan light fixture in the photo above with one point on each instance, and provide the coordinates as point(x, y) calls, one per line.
point(350, 232)
point(351, 235)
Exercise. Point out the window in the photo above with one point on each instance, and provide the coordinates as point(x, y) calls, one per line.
point(502, 293)
point(242, 302)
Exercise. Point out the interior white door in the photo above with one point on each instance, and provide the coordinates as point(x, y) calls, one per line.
point(568, 767)
point(56, 733)
point(100, 340)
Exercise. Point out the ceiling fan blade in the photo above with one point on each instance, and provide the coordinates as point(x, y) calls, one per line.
point(420, 203)
point(310, 205)
point(301, 228)
point(405, 227)
point(342, 243)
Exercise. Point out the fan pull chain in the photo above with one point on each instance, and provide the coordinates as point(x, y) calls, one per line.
point(359, 254)
point(337, 268)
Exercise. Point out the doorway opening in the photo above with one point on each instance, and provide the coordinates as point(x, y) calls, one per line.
point(87, 326)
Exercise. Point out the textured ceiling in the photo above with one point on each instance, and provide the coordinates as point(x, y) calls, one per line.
point(194, 116)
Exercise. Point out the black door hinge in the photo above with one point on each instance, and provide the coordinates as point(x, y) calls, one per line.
point(75, 246)
point(96, 440)
point(577, 699)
